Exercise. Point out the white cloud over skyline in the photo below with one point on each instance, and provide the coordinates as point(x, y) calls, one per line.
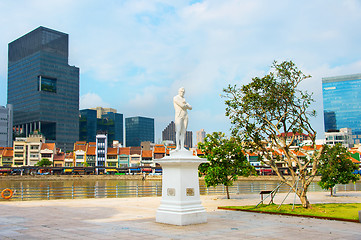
point(134, 55)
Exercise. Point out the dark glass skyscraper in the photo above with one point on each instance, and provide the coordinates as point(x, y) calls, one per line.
point(341, 104)
point(43, 88)
point(137, 130)
point(110, 123)
point(88, 125)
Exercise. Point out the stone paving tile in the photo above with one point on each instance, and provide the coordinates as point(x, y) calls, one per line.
point(135, 219)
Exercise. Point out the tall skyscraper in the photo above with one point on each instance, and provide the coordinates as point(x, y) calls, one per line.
point(188, 142)
point(43, 88)
point(87, 125)
point(6, 126)
point(137, 130)
point(168, 134)
point(341, 104)
point(90, 122)
point(201, 134)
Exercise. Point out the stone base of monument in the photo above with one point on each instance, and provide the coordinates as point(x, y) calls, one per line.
point(180, 204)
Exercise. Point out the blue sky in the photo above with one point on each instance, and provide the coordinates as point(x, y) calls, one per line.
point(134, 55)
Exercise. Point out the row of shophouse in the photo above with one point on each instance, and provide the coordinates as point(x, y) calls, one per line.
point(28, 151)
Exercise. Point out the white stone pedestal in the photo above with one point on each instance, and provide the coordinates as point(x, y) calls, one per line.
point(180, 204)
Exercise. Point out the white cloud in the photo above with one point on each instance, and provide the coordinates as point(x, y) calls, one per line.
point(91, 100)
point(138, 53)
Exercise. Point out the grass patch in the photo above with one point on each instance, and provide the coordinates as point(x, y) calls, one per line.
point(348, 211)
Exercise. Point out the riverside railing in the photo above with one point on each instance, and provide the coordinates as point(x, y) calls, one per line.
point(120, 191)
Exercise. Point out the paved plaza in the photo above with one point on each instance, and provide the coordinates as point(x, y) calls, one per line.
point(134, 218)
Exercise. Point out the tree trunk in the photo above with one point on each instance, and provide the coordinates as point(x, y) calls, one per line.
point(304, 200)
point(331, 190)
point(227, 192)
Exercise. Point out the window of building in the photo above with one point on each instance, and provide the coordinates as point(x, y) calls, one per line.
point(112, 164)
point(47, 84)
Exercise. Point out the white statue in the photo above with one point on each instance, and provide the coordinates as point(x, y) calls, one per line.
point(181, 118)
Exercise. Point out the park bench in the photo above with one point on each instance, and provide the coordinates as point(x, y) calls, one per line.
point(273, 193)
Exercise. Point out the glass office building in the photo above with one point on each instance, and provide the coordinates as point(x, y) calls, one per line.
point(43, 88)
point(342, 104)
point(110, 123)
point(137, 130)
point(87, 125)
point(6, 126)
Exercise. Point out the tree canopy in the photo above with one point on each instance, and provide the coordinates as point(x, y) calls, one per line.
point(336, 167)
point(268, 114)
point(44, 163)
point(226, 160)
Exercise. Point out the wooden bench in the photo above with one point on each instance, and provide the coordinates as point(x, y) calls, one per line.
point(267, 192)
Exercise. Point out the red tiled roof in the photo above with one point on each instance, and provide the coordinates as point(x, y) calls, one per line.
point(8, 152)
point(80, 146)
point(310, 148)
point(59, 157)
point(91, 151)
point(50, 146)
point(147, 154)
point(354, 160)
point(69, 155)
point(298, 153)
point(159, 149)
point(112, 151)
point(135, 150)
point(199, 152)
point(124, 151)
point(252, 154)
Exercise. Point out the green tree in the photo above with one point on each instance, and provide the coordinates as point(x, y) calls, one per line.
point(268, 114)
point(336, 167)
point(226, 160)
point(44, 163)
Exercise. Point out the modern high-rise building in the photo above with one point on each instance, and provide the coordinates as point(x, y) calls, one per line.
point(137, 130)
point(341, 104)
point(188, 142)
point(201, 134)
point(101, 111)
point(43, 88)
point(6, 126)
point(109, 122)
point(87, 125)
point(169, 134)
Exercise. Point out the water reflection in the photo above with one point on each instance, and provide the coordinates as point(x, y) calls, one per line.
point(95, 188)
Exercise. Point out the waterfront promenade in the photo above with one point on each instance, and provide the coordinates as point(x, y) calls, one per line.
point(134, 218)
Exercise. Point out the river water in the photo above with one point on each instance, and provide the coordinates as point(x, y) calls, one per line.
point(89, 188)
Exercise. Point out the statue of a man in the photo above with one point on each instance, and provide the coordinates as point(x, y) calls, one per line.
point(181, 118)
